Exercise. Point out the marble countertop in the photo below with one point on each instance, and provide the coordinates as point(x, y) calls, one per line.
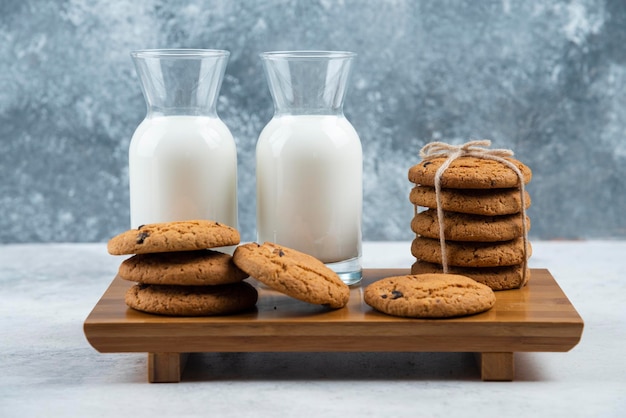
point(49, 369)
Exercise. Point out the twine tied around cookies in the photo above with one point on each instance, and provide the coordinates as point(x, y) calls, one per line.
point(477, 149)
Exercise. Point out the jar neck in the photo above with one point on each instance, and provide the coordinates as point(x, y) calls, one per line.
point(180, 81)
point(307, 82)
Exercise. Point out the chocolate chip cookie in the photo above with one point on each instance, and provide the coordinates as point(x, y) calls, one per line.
point(185, 268)
point(468, 227)
point(497, 278)
point(470, 173)
point(293, 273)
point(488, 202)
point(192, 300)
point(173, 236)
point(471, 254)
point(429, 296)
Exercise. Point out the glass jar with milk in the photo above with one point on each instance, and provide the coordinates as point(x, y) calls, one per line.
point(182, 157)
point(310, 162)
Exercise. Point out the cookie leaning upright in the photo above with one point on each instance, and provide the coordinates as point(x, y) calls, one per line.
point(293, 273)
point(173, 236)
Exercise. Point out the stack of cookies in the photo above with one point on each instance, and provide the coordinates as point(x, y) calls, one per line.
point(482, 222)
point(177, 273)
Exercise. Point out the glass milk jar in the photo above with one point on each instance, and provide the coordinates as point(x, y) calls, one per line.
point(310, 162)
point(182, 157)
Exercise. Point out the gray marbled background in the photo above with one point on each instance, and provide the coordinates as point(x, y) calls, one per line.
point(546, 78)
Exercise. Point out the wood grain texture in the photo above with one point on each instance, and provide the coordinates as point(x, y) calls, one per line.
point(166, 367)
point(538, 317)
point(496, 366)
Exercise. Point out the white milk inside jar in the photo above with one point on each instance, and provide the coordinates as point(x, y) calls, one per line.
point(182, 167)
point(310, 162)
point(182, 157)
point(309, 186)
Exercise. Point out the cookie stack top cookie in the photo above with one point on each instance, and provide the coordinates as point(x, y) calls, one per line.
point(173, 236)
point(468, 172)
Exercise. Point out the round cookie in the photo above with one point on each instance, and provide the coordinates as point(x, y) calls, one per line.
point(497, 278)
point(472, 201)
point(467, 227)
point(192, 300)
point(471, 254)
point(173, 236)
point(429, 296)
point(293, 273)
point(469, 173)
point(186, 268)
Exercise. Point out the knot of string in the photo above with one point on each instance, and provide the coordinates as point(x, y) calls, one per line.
point(477, 149)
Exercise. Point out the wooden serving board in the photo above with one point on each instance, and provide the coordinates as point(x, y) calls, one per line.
point(538, 317)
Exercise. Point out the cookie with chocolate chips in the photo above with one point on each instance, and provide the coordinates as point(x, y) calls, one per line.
point(429, 296)
point(487, 202)
point(173, 236)
point(183, 268)
point(292, 273)
point(472, 254)
point(497, 278)
point(192, 300)
point(467, 227)
point(470, 173)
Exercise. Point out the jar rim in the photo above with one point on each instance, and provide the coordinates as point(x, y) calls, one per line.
point(306, 55)
point(178, 53)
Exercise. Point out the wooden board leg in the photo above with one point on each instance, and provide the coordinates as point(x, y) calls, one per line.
point(166, 367)
point(496, 366)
